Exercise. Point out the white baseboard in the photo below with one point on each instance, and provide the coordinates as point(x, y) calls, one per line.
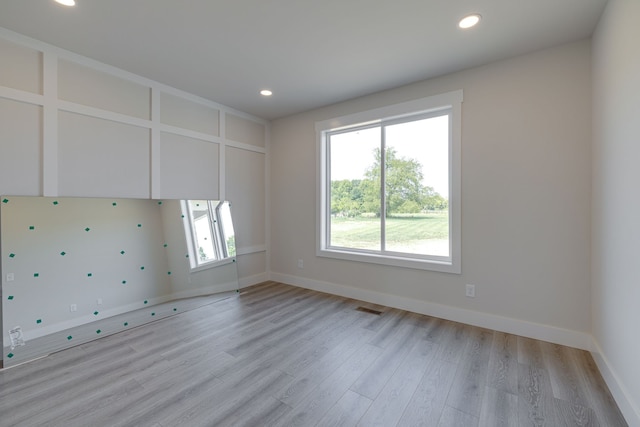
point(620, 393)
point(83, 320)
point(243, 282)
point(538, 331)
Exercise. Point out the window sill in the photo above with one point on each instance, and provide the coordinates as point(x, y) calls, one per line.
point(212, 264)
point(442, 266)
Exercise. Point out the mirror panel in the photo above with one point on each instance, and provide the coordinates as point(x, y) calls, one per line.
point(78, 264)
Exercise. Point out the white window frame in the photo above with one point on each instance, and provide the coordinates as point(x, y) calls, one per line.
point(447, 101)
point(219, 246)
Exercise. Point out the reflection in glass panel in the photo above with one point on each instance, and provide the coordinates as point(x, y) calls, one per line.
point(202, 231)
point(228, 237)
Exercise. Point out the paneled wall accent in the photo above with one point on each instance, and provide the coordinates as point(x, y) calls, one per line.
point(104, 132)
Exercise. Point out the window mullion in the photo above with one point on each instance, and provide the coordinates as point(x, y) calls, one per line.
point(383, 199)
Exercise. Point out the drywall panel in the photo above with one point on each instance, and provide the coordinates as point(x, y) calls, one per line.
point(252, 265)
point(101, 158)
point(181, 112)
point(189, 167)
point(77, 260)
point(246, 192)
point(93, 88)
point(615, 205)
point(20, 148)
point(244, 130)
point(21, 67)
point(526, 164)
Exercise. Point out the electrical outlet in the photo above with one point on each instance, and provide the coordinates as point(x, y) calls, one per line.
point(99, 301)
point(73, 307)
point(10, 277)
point(300, 263)
point(470, 291)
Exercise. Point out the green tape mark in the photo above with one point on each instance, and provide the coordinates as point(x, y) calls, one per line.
point(124, 282)
point(114, 204)
point(36, 274)
point(197, 204)
point(160, 202)
point(139, 225)
point(175, 309)
point(31, 227)
point(146, 302)
point(10, 355)
point(187, 256)
point(63, 253)
point(98, 331)
point(55, 203)
point(165, 245)
point(153, 313)
point(95, 313)
point(142, 267)
point(89, 274)
point(5, 200)
point(126, 323)
point(12, 255)
point(10, 297)
point(181, 216)
point(169, 273)
point(69, 337)
point(233, 260)
point(39, 321)
point(87, 229)
point(122, 252)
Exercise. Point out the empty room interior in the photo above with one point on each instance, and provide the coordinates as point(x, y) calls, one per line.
point(319, 213)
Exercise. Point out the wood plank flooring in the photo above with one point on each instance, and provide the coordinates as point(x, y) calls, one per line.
point(284, 356)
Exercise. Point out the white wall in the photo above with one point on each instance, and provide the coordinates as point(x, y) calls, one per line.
point(70, 126)
point(616, 205)
point(525, 201)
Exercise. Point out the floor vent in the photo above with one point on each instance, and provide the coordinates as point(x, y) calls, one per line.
point(369, 310)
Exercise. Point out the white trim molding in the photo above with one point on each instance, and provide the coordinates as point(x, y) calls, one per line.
point(576, 339)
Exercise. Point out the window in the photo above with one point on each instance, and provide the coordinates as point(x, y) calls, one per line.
point(209, 231)
point(389, 185)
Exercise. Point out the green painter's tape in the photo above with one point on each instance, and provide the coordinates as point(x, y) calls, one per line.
point(142, 267)
point(169, 273)
point(55, 203)
point(95, 313)
point(122, 252)
point(124, 282)
point(114, 204)
point(36, 274)
point(5, 200)
point(31, 227)
point(39, 321)
point(139, 225)
point(186, 256)
point(89, 274)
point(63, 253)
point(87, 229)
point(160, 202)
point(165, 245)
point(175, 309)
point(10, 355)
point(69, 337)
point(181, 216)
point(153, 313)
point(146, 302)
point(12, 255)
point(126, 323)
point(10, 297)
point(98, 331)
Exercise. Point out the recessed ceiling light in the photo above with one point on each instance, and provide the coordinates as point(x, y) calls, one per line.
point(266, 92)
point(469, 21)
point(66, 2)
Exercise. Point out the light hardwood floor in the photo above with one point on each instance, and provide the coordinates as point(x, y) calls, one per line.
point(281, 355)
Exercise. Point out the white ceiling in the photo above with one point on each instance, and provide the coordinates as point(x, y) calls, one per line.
point(310, 53)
